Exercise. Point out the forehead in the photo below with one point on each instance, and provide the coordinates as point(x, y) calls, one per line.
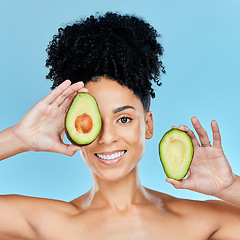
point(111, 95)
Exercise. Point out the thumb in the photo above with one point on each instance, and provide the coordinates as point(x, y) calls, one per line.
point(180, 184)
point(67, 149)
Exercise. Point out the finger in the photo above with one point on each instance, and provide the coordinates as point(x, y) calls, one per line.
point(56, 92)
point(193, 138)
point(68, 100)
point(216, 135)
point(85, 90)
point(203, 136)
point(69, 91)
point(66, 149)
point(180, 184)
point(190, 134)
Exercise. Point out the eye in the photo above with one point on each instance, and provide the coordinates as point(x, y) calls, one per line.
point(124, 119)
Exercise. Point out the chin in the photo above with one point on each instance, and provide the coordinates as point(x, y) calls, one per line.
point(113, 175)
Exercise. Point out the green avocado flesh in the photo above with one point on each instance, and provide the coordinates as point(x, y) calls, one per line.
point(176, 153)
point(83, 120)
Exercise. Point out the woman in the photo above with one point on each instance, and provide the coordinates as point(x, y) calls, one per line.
point(115, 58)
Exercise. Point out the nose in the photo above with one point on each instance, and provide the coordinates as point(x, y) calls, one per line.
point(107, 134)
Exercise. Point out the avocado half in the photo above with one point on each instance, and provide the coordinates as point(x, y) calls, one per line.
point(176, 153)
point(83, 120)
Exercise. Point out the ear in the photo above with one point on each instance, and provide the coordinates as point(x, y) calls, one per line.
point(149, 125)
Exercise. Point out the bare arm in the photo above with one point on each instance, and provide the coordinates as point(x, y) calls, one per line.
point(9, 144)
point(232, 193)
point(14, 223)
point(211, 174)
point(226, 217)
point(42, 128)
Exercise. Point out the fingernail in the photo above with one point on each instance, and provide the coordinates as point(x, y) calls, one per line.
point(83, 90)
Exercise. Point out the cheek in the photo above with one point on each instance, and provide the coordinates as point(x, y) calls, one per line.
point(136, 136)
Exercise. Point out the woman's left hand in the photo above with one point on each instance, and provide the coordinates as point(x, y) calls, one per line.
point(210, 172)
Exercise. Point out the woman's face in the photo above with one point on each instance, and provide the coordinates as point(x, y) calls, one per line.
point(121, 141)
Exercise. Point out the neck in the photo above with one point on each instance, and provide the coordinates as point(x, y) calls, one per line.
point(119, 194)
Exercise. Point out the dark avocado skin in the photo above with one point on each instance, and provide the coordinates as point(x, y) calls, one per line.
point(161, 159)
point(68, 135)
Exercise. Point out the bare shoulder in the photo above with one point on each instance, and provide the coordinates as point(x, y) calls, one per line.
point(220, 219)
point(35, 210)
point(25, 217)
point(181, 205)
point(36, 204)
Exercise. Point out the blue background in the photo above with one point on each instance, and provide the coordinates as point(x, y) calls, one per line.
point(202, 51)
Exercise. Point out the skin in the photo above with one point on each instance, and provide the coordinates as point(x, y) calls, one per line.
point(118, 206)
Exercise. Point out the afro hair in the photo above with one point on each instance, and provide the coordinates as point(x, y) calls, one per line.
point(121, 47)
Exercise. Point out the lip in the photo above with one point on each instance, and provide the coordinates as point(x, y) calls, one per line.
point(109, 161)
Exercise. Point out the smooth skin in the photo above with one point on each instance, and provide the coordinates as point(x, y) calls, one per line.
point(118, 206)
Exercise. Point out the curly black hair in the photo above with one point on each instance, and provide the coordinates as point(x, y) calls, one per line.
point(121, 47)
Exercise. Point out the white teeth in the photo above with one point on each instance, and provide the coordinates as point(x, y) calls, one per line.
point(110, 157)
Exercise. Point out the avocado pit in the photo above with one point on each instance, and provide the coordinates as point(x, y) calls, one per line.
point(83, 123)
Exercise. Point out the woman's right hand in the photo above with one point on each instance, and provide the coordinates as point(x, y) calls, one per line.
point(42, 128)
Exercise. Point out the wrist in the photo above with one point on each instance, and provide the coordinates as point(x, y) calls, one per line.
point(10, 145)
point(15, 136)
point(231, 193)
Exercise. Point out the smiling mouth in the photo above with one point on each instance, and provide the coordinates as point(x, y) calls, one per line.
point(110, 158)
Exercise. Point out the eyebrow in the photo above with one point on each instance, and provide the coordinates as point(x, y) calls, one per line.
point(119, 109)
